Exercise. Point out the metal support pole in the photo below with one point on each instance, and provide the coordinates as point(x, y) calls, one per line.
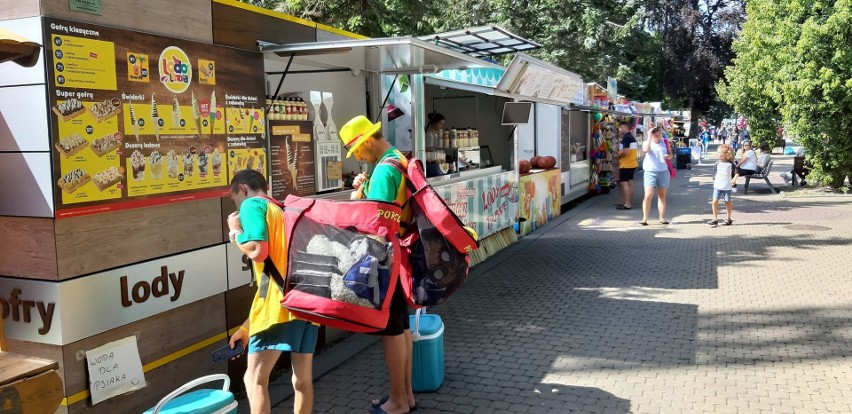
point(281, 82)
point(387, 96)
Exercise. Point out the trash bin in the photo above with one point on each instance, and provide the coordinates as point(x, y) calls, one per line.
point(684, 156)
point(204, 401)
point(427, 369)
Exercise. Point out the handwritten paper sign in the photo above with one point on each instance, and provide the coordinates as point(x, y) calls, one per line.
point(334, 170)
point(114, 369)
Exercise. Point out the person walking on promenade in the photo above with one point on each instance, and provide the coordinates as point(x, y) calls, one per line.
point(656, 173)
point(723, 134)
point(725, 176)
point(364, 141)
point(627, 164)
point(257, 228)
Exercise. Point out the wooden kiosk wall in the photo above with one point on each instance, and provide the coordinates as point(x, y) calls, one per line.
point(74, 263)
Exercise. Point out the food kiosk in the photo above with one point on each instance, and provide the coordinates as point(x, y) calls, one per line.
point(119, 144)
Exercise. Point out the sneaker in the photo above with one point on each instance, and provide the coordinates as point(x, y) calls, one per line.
point(713, 223)
point(729, 222)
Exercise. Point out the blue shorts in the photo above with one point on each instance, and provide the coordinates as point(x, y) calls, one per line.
point(294, 336)
point(659, 179)
point(722, 195)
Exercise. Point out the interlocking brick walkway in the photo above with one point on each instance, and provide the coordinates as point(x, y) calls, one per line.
point(596, 314)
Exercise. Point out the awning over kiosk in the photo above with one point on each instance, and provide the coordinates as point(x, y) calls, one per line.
point(395, 55)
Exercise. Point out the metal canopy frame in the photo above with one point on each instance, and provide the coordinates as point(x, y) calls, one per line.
point(393, 55)
point(482, 41)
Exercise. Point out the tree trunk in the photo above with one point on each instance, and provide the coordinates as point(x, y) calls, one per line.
point(695, 117)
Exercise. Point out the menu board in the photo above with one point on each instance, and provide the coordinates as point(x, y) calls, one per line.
point(140, 120)
point(291, 150)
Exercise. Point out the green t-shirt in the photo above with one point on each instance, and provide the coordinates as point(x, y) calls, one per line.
point(253, 220)
point(386, 179)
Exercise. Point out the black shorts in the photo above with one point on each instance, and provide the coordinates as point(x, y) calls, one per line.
point(398, 319)
point(626, 174)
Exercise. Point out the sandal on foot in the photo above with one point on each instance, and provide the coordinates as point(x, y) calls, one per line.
point(729, 222)
point(383, 400)
point(644, 223)
point(623, 207)
point(664, 222)
point(713, 223)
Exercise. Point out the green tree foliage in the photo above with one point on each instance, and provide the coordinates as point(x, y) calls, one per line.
point(794, 65)
point(696, 48)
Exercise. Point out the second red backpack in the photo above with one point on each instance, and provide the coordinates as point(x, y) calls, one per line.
point(435, 246)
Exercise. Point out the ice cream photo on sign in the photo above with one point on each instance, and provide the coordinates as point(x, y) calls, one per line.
point(156, 161)
point(175, 112)
point(133, 120)
point(155, 117)
point(212, 113)
point(172, 164)
point(216, 160)
point(196, 113)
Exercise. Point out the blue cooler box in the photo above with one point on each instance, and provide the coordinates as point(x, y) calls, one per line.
point(204, 401)
point(427, 371)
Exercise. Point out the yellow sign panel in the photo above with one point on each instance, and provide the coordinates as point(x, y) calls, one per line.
point(83, 63)
point(245, 120)
point(137, 67)
point(247, 158)
point(90, 168)
point(206, 72)
point(157, 172)
point(175, 69)
point(285, 129)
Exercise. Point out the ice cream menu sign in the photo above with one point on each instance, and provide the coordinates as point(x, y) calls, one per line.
point(140, 120)
point(291, 149)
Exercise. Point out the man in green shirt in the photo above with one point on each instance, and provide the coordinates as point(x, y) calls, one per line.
point(364, 140)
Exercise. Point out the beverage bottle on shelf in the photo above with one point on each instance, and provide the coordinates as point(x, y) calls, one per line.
point(289, 107)
point(454, 135)
point(469, 137)
point(445, 138)
point(304, 109)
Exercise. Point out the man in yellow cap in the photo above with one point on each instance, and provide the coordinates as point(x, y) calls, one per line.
point(364, 140)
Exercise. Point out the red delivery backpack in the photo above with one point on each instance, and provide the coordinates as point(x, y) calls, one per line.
point(342, 261)
point(434, 262)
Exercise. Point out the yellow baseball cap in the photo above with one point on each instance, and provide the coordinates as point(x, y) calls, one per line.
point(356, 132)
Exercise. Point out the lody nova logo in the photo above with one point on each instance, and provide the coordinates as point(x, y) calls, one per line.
point(161, 285)
point(23, 309)
point(175, 69)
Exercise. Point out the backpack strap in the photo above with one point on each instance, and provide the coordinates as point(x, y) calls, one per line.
point(270, 272)
point(393, 162)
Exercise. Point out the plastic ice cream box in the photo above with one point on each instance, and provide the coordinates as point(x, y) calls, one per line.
point(427, 371)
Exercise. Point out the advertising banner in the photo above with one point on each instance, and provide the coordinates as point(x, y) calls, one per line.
point(139, 120)
point(291, 149)
point(488, 204)
point(540, 199)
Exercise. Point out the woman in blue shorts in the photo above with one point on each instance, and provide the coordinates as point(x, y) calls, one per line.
point(656, 173)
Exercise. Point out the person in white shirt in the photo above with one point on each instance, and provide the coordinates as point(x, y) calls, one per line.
point(656, 173)
point(748, 163)
point(725, 177)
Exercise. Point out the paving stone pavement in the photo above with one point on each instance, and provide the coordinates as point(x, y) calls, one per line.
point(596, 314)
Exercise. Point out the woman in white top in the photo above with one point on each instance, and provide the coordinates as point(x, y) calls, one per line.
point(656, 173)
point(748, 163)
point(434, 131)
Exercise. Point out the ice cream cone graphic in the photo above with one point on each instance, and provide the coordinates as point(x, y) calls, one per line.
point(155, 117)
point(196, 114)
point(175, 113)
point(133, 120)
point(212, 114)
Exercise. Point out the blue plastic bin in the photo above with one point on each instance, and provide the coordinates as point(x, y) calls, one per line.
point(205, 401)
point(427, 370)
